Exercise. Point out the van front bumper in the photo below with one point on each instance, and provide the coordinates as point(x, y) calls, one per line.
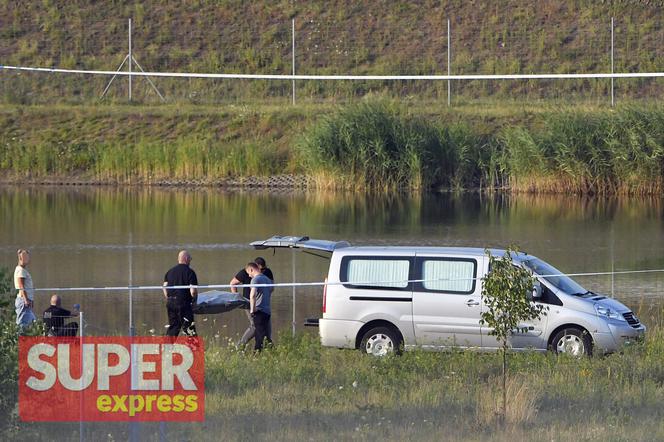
point(338, 333)
point(619, 336)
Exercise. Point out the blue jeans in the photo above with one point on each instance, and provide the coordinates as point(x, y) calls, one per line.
point(24, 314)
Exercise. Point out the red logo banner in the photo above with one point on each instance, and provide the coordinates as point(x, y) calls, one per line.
point(111, 379)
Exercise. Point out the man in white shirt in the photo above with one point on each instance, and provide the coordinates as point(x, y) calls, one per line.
point(26, 294)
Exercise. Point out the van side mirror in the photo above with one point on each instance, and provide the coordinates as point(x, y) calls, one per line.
point(537, 291)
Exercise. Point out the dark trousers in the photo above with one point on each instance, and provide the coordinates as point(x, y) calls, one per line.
point(180, 317)
point(69, 329)
point(261, 322)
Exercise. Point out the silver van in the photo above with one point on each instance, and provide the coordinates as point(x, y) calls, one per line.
point(382, 299)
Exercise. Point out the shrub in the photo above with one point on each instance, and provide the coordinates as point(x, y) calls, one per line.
point(375, 144)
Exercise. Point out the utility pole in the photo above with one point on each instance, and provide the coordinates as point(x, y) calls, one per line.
point(612, 91)
point(130, 61)
point(293, 55)
point(449, 67)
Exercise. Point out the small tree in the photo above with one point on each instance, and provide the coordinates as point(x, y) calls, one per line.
point(506, 294)
point(8, 356)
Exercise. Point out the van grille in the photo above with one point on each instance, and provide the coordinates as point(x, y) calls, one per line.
point(631, 319)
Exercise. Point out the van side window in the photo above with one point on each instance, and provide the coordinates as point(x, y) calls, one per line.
point(449, 275)
point(370, 272)
point(548, 297)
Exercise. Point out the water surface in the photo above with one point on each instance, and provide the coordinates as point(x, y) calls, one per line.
point(91, 236)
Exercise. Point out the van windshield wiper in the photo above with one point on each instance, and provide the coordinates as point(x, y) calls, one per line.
point(581, 295)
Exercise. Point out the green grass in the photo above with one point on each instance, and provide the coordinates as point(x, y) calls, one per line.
point(606, 152)
point(371, 144)
point(299, 390)
point(376, 144)
point(379, 145)
point(320, 392)
point(125, 144)
point(332, 37)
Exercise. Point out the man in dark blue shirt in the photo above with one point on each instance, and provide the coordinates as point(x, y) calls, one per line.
point(259, 304)
point(54, 319)
point(179, 301)
point(242, 277)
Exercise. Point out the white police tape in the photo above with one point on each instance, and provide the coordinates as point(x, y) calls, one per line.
point(337, 77)
point(318, 284)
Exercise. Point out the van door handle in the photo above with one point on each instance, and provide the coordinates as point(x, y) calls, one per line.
point(472, 302)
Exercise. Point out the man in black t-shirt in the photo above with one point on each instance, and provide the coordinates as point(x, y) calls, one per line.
point(179, 301)
point(54, 319)
point(242, 277)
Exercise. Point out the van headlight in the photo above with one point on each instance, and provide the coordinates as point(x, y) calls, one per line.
point(608, 313)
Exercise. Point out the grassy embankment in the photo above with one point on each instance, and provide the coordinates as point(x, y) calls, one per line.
point(587, 150)
point(375, 144)
point(332, 37)
point(300, 391)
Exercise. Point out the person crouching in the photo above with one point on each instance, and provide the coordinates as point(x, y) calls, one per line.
point(54, 319)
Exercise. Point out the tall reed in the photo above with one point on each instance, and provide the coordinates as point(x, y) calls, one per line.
point(376, 145)
point(588, 152)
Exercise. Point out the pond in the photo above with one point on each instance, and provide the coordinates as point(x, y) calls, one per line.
point(107, 236)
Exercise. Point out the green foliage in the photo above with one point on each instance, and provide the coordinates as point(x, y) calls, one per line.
point(506, 301)
point(506, 296)
point(5, 287)
point(376, 144)
point(581, 152)
point(9, 334)
point(8, 353)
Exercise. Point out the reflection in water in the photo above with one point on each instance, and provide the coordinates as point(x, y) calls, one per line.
point(81, 237)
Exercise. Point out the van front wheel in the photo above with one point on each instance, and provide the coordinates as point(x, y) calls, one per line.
point(380, 341)
point(572, 341)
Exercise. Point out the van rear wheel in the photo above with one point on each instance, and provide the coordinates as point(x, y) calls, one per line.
point(573, 341)
point(380, 341)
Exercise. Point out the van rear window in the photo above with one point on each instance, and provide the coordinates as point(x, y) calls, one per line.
point(376, 273)
point(449, 275)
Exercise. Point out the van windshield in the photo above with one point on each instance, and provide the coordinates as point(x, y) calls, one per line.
point(554, 277)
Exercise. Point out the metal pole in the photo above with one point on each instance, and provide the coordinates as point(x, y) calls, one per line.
point(132, 330)
point(81, 434)
point(612, 91)
point(130, 60)
point(150, 81)
point(134, 430)
point(293, 56)
point(449, 68)
point(293, 251)
point(103, 94)
point(613, 276)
